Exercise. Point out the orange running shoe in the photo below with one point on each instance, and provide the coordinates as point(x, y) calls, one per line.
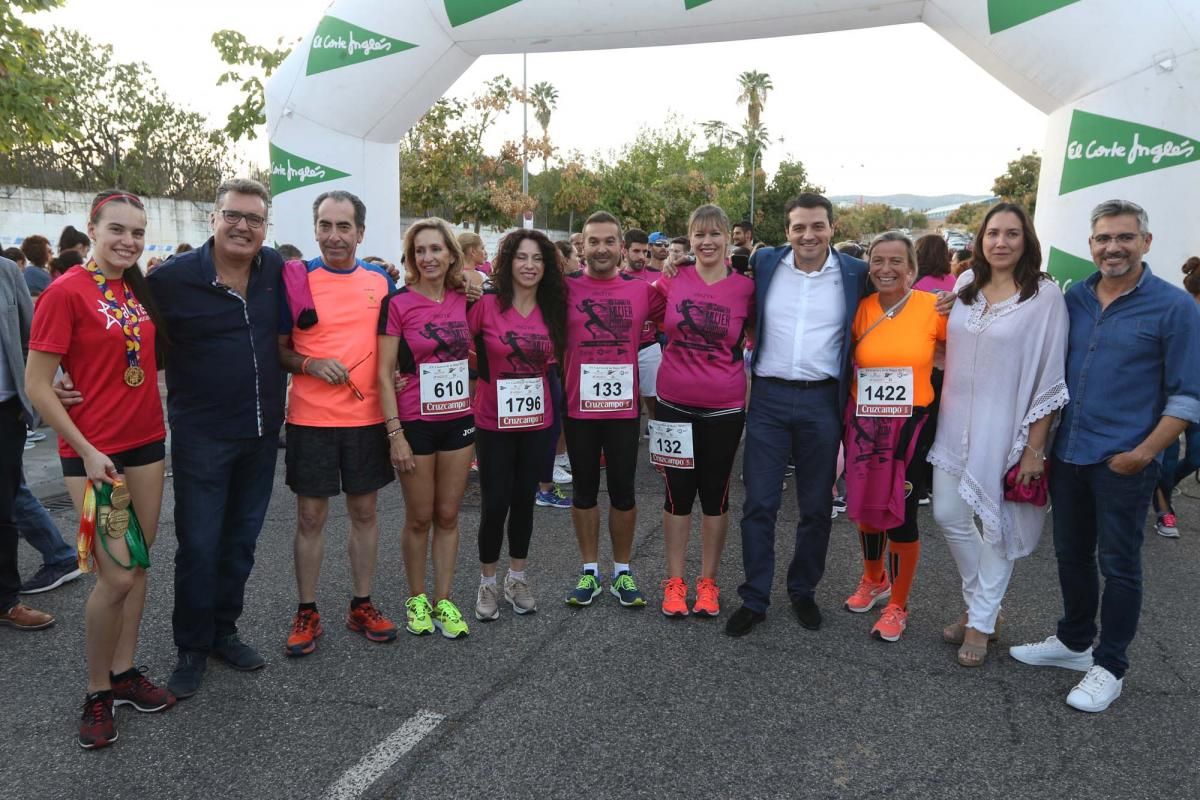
point(891, 624)
point(367, 620)
point(674, 602)
point(306, 627)
point(869, 594)
point(707, 594)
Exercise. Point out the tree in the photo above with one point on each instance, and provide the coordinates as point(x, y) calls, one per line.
point(29, 96)
point(789, 181)
point(968, 215)
point(1019, 183)
point(755, 87)
point(544, 97)
point(247, 116)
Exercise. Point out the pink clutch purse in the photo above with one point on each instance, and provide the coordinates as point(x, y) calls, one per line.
point(1035, 493)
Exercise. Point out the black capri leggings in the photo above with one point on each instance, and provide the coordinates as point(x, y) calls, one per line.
point(554, 378)
point(617, 439)
point(508, 475)
point(715, 440)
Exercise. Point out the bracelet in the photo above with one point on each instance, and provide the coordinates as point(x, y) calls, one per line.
point(395, 433)
point(1039, 453)
point(304, 365)
point(389, 419)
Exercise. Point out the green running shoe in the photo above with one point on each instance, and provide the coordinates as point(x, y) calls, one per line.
point(627, 591)
point(448, 619)
point(585, 591)
point(419, 622)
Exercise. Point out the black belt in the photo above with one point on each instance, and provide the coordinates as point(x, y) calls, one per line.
point(798, 384)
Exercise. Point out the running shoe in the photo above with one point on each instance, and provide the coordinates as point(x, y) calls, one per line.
point(1167, 526)
point(585, 591)
point(34, 436)
point(448, 619)
point(891, 624)
point(625, 590)
point(51, 576)
point(518, 595)
point(367, 620)
point(133, 688)
point(420, 621)
point(790, 470)
point(561, 475)
point(869, 594)
point(603, 462)
point(925, 500)
point(554, 497)
point(674, 602)
point(29, 445)
point(474, 465)
point(839, 504)
point(306, 627)
point(707, 598)
point(487, 603)
point(97, 728)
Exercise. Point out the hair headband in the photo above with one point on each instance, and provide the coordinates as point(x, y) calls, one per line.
point(96, 208)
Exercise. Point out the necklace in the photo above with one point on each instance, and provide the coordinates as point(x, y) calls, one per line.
point(128, 314)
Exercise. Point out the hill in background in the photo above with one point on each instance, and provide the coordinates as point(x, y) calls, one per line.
point(915, 202)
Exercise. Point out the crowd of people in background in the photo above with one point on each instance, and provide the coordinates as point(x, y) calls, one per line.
point(903, 371)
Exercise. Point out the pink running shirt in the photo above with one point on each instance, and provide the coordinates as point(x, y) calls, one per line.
point(430, 333)
point(511, 350)
point(649, 275)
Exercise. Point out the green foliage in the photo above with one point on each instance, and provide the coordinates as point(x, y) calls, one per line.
point(252, 64)
point(1019, 183)
point(120, 130)
point(790, 180)
point(968, 215)
point(29, 96)
point(862, 223)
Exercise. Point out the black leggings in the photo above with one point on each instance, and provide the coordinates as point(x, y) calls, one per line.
point(559, 405)
point(715, 440)
point(508, 471)
point(617, 439)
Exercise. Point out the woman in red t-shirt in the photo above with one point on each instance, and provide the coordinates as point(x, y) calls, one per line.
point(98, 322)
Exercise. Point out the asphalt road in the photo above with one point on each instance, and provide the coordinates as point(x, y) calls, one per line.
point(609, 702)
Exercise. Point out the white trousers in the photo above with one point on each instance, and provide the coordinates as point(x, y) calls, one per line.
point(984, 568)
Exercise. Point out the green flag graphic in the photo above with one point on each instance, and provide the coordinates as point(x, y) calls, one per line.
point(688, 5)
point(1102, 149)
point(1067, 269)
point(290, 171)
point(337, 43)
point(461, 12)
point(1005, 14)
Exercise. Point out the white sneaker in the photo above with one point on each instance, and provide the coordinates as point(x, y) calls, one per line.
point(1052, 653)
point(1096, 691)
point(487, 605)
point(561, 475)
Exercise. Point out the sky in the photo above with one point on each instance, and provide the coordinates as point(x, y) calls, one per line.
point(870, 112)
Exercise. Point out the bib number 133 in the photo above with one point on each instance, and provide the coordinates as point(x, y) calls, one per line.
point(606, 387)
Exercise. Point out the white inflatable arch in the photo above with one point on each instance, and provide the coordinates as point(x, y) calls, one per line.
point(1119, 79)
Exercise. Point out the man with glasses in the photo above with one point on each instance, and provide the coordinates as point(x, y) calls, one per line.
point(224, 310)
point(1133, 374)
point(336, 441)
point(660, 248)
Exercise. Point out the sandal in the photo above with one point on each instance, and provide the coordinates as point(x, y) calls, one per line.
point(954, 633)
point(972, 655)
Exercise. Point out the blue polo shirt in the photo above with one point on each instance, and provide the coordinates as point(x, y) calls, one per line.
point(1128, 365)
point(224, 380)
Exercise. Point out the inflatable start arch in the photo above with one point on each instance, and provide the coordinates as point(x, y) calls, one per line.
point(1120, 81)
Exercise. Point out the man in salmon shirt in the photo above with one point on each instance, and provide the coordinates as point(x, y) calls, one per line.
point(336, 440)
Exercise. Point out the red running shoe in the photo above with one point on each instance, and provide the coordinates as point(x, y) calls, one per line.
point(133, 688)
point(367, 620)
point(306, 627)
point(707, 598)
point(674, 602)
point(97, 728)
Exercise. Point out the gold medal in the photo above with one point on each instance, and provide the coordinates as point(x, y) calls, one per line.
point(134, 376)
point(120, 496)
point(117, 523)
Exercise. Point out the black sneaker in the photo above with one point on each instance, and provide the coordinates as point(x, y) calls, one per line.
point(237, 654)
point(97, 727)
point(807, 612)
point(839, 504)
point(51, 576)
point(189, 672)
point(743, 621)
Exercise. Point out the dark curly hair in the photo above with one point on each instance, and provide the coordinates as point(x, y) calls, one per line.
point(933, 256)
point(1027, 275)
point(1191, 272)
point(551, 292)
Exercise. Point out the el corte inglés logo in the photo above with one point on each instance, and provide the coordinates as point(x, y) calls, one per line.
point(336, 43)
point(289, 171)
point(1102, 149)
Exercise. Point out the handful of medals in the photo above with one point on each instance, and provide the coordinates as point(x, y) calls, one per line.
point(107, 510)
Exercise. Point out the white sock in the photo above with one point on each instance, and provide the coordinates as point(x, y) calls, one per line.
point(486, 580)
point(619, 568)
point(514, 575)
point(593, 567)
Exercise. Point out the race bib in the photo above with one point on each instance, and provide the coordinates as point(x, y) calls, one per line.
point(606, 387)
point(444, 388)
point(671, 445)
point(884, 392)
point(520, 403)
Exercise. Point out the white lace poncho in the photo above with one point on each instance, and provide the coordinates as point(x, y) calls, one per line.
point(1005, 369)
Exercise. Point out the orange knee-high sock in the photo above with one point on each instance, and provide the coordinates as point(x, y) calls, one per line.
point(872, 542)
point(904, 558)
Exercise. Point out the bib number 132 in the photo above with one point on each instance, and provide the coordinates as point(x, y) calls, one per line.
point(671, 445)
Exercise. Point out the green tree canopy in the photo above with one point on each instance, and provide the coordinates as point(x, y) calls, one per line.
point(1019, 183)
point(251, 65)
point(30, 97)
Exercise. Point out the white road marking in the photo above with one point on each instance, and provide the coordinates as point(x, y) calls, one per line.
point(359, 778)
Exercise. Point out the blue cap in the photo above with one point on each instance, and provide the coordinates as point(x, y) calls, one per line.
point(657, 237)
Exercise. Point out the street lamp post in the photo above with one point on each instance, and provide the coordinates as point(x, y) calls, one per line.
point(753, 179)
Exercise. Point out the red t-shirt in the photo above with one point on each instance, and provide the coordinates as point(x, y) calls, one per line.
point(604, 324)
point(430, 334)
point(72, 319)
point(514, 352)
point(702, 363)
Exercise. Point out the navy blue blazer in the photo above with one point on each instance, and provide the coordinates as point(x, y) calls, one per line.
point(854, 288)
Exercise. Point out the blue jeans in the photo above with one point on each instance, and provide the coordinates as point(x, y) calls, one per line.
point(1098, 517)
point(1174, 470)
point(222, 490)
point(39, 530)
point(805, 425)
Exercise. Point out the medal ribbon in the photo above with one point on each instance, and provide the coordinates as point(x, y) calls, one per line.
point(126, 311)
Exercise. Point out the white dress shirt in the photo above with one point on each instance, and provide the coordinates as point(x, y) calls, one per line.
point(805, 322)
